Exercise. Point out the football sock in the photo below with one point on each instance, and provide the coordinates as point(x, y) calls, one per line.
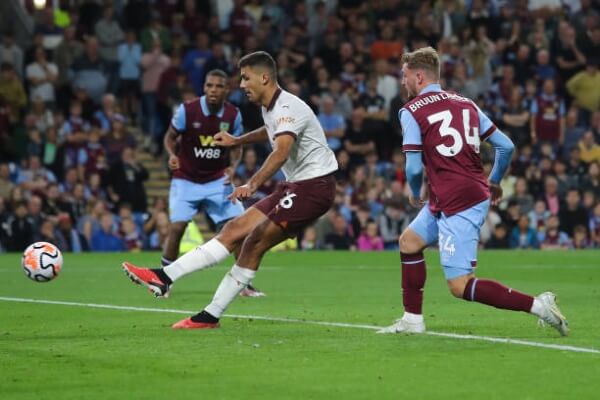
point(207, 255)
point(414, 274)
point(231, 285)
point(497, 295)
point(412, 318)
point(165, 261)
point(203, 316)
point(537, 308)
point(162, 276)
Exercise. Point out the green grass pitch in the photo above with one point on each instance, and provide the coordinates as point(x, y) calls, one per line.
point(51, 351)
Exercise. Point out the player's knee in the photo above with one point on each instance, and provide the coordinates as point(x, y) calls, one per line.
point(457, 286)
point(407, 243)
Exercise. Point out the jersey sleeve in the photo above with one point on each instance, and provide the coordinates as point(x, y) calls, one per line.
point(238, 127)
point(178, 120)
point(486, 126)
point(411, 133)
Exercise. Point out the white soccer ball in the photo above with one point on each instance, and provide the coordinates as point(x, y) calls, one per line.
point(42, 261)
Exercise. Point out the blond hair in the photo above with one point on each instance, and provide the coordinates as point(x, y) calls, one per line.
point(425, 58)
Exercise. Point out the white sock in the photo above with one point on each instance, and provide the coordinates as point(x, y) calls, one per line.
point(231, 285)
point(412, 318)
point(536, 307)
point(207, 255)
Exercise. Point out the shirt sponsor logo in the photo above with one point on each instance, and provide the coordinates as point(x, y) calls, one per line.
point(284, 120)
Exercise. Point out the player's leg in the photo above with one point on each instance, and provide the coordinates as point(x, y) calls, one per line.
point(459, 237)
point(221, 210)
point(420, 233)
point(210, 253)
point(171, 249)
point(258, 242)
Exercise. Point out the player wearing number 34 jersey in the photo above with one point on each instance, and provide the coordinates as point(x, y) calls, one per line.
point(443, 131)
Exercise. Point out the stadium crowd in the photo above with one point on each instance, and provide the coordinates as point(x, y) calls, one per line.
point(99, 82)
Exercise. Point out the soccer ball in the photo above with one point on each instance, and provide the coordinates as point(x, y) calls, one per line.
point(42, 261)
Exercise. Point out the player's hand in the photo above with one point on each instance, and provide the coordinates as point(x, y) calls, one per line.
point(495, 193)
point(241, 193)
point(415, 201)
point(173, 162)
point(224, 139)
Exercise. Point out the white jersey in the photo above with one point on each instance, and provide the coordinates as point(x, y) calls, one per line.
point(310, 156)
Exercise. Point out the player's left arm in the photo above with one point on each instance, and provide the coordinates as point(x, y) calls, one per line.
point(504, 148)
point(281, 151)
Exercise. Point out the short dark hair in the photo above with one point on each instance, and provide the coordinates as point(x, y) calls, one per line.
point(217, 72)
point(259, 59)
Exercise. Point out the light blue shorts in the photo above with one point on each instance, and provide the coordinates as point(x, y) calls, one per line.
point(187, 198)
point(457, 236)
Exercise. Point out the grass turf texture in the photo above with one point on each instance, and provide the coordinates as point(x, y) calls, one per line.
point(64, 352)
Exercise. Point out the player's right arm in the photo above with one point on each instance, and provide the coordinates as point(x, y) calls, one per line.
point(227, 140)
point(412, 145)
point(176, 127)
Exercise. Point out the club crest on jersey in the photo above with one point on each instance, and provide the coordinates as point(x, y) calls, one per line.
point(196, 124)
point(224, 126)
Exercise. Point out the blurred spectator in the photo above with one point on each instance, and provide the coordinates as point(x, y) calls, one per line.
point(129, 55)
point(538, 217)
point(241, 22)
point(6, 184)
point(309, 239)
point(572, 213)
point(108, 110)
point(585, 87)
point(588, 148)
point(194, 62)
point(69, 50)
point(42, 76)
point(333, 124)
point(153, 33)
point(154, 63)
point(11, 53)
point(109, 34)
point(392, 223)
point(499, 239)
point(126, 181)
point(551, 196)
point(11, 88)
point(105, 239)
point(91, 73)
point(370, 240)
point(158, 236)
point(117, 140)
point(592, 181)
point(131, 236)
point(553, 237)
point(358, 142)
point(580, 238)
point(548, 117)
point(521, 196)
point(20, 229)
point(73, 241)
point(340, 238)
point(523, 236)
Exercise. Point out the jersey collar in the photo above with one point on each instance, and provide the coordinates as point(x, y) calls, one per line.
point(274, 99)
point(432, 87)
point(206, 110)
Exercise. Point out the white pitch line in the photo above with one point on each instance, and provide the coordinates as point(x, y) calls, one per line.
point(302, 321)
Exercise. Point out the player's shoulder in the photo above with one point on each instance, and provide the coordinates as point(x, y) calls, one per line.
point(288, 102)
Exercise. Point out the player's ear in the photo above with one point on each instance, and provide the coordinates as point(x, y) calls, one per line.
point(265, 79)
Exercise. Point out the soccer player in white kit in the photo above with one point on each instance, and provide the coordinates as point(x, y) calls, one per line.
point(300, 149)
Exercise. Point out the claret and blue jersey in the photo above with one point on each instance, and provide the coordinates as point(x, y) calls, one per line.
point(443, 130)
point(200, 181)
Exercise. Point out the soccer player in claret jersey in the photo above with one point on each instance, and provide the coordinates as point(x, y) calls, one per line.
point(202, 171)
point(443, 130)
point(300, 150)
